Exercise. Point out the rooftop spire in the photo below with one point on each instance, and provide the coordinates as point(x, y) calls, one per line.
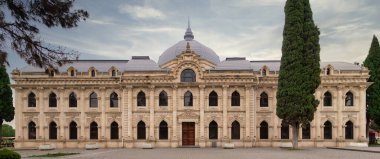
point(188, 34)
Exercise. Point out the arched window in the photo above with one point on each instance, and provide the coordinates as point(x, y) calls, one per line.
point(264, 72)
point(188, 99)
point(327, 130)
point(327, 99)
point(263, 100)
point(72, 100)
point(163, 99)
point(52, 130)
point(141, 99)
point(93, 130)
point(328, 71)
point(306, 131)
point(264, 130)
point(73, 131)
point(113, 73)
point(114, 100)
point(31, 100)
point(72, 73)
point(213, 99)
point(114, 130)
point(188, 75)
point(32, 130)
point(235, 130)
point(92, 73)
point(213, 130)
point(93, 100)
point(235, 99)
point(51, 73)
point(52, 100)
point(349, 130)
point(284, 130)
point(163, 130)
point(141, 132)
point(349, 99)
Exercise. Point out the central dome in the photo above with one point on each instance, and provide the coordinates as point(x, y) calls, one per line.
point(200, 49)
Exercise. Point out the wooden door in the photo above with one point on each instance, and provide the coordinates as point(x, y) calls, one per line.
point(188, 133)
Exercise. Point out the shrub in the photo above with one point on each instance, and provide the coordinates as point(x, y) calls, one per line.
point(9, 154)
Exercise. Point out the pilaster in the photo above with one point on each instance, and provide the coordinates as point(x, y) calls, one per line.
point(225, 120)
point(174, 107)
point(201, 113)
point(151, 113)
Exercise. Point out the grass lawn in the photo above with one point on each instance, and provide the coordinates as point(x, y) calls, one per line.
point(58, 154)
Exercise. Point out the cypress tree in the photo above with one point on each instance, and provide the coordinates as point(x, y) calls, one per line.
point(372, 62)
point(300, 68)
point(7, 111)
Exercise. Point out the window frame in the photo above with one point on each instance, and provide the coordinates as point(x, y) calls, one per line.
point(235, 130)
point(32, 131)
point(141, 130)
point(32, 100)
point(327, 130)
point(163, 131)
point(213, 99)
point(93, 100)
point(114, 100)
point(163, 99)
point(327, 99)
point(264, 130)
point(141, 99)
point(114, 131)
point(73, 101)
point(188, 75)
point(213, 130)
point(53, 131)
point(53, 102)
point(349, 130)
point(349, 98)
point(73, 130)
point(284, 130)
point(188, 99)
point(264, 100)
point(235, 99)
point(94, 131)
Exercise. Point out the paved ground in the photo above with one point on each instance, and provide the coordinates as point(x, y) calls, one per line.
point(210, 153)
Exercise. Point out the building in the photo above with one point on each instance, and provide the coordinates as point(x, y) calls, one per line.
point(188, 98)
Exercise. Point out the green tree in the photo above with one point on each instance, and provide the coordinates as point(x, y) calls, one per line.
point(8, 131)
point(299, 75)
point(7, 111)
point(20, 29)
point(372, 62)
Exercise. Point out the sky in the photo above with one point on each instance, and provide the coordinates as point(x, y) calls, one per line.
point(119, 29)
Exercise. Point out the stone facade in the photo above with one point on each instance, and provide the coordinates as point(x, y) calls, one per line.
point(249, 113)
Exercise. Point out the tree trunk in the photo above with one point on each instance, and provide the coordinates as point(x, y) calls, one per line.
point(1, 129)
point(295, 135)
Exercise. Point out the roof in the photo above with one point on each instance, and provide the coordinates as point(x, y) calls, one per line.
point(200, 49)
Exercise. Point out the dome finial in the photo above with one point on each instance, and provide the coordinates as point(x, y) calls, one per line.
point(188, 34)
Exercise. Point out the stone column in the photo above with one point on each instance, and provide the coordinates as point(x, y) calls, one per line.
point(225, 120)
point(103, 119)
point(202, 114)
point(362, 116)
point(124, 114)
point(129, 116)
point(42, 118)
point(82, 122)
point(151, 113)
point(247, 117)
point(61, 108)
point(19, 103)
point(317, 119)
point(174, 126)
point(272, 104)
point(253, 116)
point(340, 104)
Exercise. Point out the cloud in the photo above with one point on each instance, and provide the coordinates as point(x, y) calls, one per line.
point(141, 12)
